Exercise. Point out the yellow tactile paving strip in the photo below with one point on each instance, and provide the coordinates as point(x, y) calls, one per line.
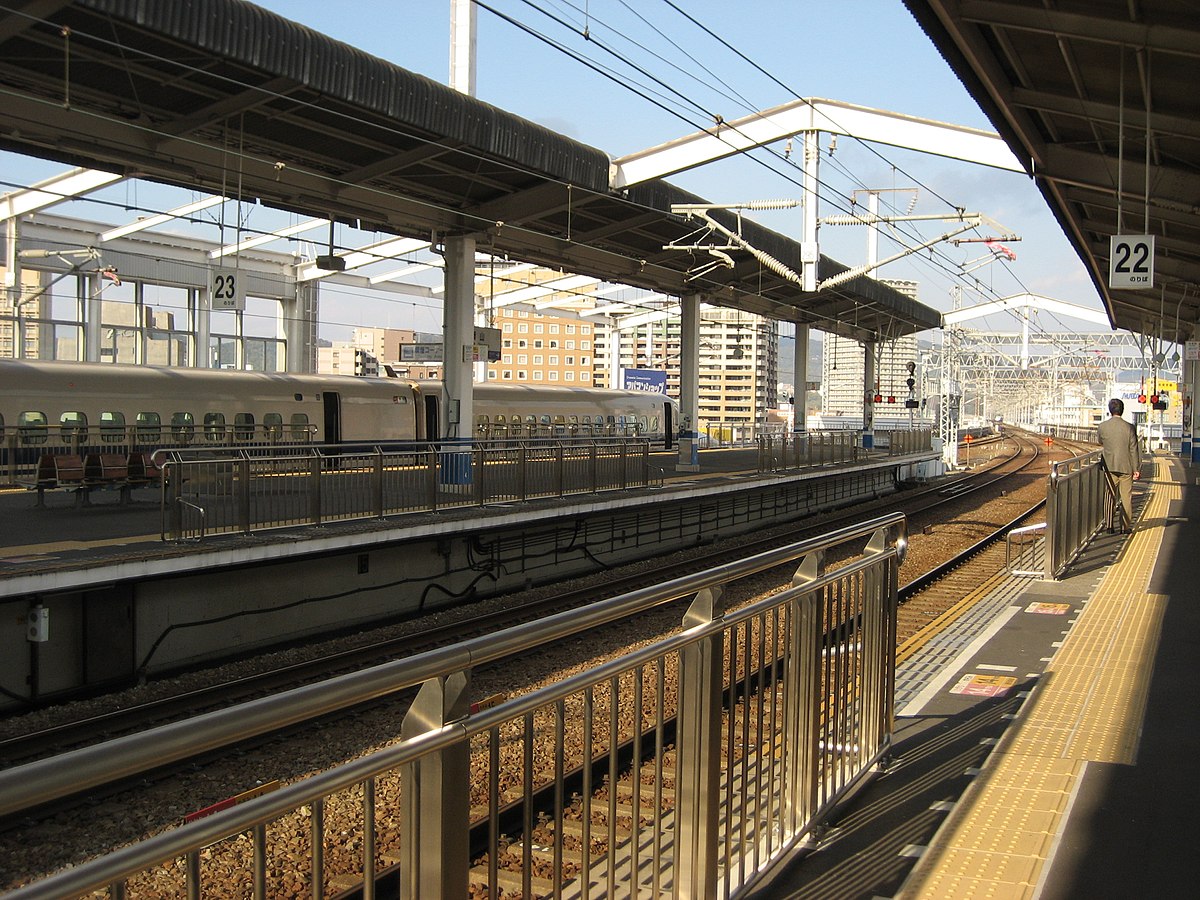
point(1087, 708)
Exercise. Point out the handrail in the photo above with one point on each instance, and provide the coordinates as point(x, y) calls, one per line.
point(804, 779)
point(1075, 508)
point(248, 490)
point(78, 770)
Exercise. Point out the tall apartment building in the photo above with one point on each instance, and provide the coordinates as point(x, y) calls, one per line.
point(843, 364)
point(543, 349)
point(35, 335)
point(739, 362)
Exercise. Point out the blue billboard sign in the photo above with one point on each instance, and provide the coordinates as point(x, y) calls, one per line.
point(652, 381)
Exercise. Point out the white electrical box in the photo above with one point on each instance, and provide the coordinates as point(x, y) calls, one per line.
point(38, 624)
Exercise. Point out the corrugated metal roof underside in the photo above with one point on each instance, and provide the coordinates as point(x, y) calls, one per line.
point(1049, 78)
point(217, 94)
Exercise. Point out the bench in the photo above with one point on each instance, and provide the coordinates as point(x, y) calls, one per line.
point(142, 469)
point(105, 468)
point(60, 471)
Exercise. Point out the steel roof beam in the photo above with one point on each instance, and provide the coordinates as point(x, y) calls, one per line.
point(813, 114)
point(1024, 301)
point(69, 185)
point(162, 218)
point(1081, 26)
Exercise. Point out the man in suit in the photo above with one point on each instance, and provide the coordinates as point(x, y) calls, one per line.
point(1122, 456)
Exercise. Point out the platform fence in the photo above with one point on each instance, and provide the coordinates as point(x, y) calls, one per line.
point(244, 491)
point(1079, 498)
point(788, 451)
point(706, 755)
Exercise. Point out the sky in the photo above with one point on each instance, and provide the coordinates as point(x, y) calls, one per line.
point(694, 60)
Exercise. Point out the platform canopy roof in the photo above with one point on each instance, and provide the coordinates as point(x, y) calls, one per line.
point(1072, 85)
point(221, 94)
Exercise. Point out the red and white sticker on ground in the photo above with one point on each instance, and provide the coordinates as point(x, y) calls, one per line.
point(1049, 609)
point(976, 685)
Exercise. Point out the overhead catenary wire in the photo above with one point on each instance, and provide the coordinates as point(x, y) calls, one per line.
point(244, 156)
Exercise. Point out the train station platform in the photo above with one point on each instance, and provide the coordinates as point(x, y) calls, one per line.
point(1044, 748)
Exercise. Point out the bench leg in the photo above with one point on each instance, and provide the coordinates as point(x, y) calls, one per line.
point(41, 498)
point(83, 497)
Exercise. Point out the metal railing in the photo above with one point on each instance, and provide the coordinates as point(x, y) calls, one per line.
point(1078, 503)
point(743, 730)
point(21, 447)
point(786, 451)
point(246, 491)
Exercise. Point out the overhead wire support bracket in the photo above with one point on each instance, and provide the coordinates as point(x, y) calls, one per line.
point(967, 221)
point(736, 241)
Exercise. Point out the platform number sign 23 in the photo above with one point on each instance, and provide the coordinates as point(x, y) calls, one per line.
point(1131, 261)
point(226, 289)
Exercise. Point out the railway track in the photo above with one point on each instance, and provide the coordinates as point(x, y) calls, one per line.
point(141, 716)
point(963, 491)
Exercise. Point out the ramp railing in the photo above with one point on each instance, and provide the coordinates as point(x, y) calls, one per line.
point(247, 491)
point(689, 765)
point(1079, 495)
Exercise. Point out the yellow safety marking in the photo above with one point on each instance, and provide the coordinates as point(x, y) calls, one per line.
point(1088, 707)
point(34, 551)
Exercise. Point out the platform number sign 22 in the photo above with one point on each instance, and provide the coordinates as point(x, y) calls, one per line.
point(226, 289)
point(1131, 261)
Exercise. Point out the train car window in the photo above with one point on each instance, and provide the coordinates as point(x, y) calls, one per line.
point(112, 427)
point(214, 427)
point(183, 427)
point(300, 430)
point(31, 426)
point(654, 424)
point(243, 426)
point(149, 427)
point(273, 425)
point(73, 425)
point(481, 426)
point(560, 426)
point(641, 424)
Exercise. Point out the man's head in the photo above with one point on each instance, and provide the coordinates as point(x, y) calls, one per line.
point(1116, 406)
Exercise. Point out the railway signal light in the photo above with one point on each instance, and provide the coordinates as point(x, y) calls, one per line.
point(1141, 398)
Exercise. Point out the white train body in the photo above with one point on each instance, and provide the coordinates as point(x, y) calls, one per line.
point(91, 403)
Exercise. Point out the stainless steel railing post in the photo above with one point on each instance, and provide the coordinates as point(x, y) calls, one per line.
point(699, 738)
point(434, 807)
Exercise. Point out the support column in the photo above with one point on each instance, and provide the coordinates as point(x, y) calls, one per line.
point(689, 384)
point(203, 329)
point(868, 432)
point(92, 328)
point(299, 327)
point(800, 415)
point(458, 413)
point(810, 253)
point(1190, 450)
point(614, 354)
point(12, 283)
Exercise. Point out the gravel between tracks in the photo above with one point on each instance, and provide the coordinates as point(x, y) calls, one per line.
point(31, 852)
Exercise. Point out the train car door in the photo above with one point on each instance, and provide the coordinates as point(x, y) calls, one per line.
point(433, 431)
point(668, 427)
point(333, 416)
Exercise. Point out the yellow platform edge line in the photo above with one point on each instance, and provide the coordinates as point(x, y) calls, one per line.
point(1088, 708)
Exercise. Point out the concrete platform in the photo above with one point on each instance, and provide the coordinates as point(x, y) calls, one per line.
point(1044, 749)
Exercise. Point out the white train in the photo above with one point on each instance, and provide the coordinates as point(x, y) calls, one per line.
point(43, 404)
